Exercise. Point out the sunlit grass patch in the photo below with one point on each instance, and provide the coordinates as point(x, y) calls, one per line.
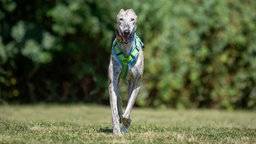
point(92, 124)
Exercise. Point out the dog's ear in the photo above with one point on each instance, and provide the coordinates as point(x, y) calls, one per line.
point(132, 11)
point(119, 14)
point(121, 11)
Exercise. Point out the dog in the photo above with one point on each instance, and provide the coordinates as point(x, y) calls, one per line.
point(127, 63)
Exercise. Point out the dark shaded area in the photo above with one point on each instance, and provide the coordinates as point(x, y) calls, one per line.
point(199, 54)
point(106, 130)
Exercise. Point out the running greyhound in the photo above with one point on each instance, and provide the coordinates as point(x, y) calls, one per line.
point(127, 63)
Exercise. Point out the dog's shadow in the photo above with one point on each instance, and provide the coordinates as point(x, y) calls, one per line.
point(105, 130)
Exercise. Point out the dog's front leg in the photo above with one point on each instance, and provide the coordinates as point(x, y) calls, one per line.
point(114, 108)
point(134, 89)
point(113, 95)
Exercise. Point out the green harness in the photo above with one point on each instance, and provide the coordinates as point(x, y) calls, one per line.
point(127, 60)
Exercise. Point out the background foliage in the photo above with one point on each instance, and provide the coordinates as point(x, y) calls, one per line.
point(198, 53)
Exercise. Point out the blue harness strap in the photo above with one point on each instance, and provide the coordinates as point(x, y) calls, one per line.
point(127, 60)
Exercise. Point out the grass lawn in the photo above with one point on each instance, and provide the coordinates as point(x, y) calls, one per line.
point(92, 124)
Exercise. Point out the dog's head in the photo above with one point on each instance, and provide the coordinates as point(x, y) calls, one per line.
point(126, 24)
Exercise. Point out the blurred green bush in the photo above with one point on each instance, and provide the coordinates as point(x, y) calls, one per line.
point(198, 53)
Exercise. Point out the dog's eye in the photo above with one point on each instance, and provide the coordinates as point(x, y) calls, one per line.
point(132, 19)
point(121, 19)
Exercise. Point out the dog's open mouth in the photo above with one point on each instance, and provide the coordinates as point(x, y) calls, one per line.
point(124, 37)
point(127, 38)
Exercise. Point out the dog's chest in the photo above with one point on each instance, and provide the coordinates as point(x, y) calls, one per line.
point(136, 69)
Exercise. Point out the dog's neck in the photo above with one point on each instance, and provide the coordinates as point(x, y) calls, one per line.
point(126, 48)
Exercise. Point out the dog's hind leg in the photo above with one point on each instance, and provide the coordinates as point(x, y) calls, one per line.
point(119, 107)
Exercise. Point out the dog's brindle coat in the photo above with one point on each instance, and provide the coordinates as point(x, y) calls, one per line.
point(126, 26)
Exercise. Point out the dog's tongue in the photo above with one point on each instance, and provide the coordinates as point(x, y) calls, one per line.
point(126, 38)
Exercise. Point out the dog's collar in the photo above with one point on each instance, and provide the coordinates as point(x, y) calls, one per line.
point(120, 39)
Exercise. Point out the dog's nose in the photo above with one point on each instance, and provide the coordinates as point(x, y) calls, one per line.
point(126, 32)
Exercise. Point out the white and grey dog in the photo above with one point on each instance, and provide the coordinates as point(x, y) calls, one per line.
point(126, 62)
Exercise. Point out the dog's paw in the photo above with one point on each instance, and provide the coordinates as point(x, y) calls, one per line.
point(126, 122)
point(116, 131)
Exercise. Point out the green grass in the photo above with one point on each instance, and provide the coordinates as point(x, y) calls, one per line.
point(92, 124)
